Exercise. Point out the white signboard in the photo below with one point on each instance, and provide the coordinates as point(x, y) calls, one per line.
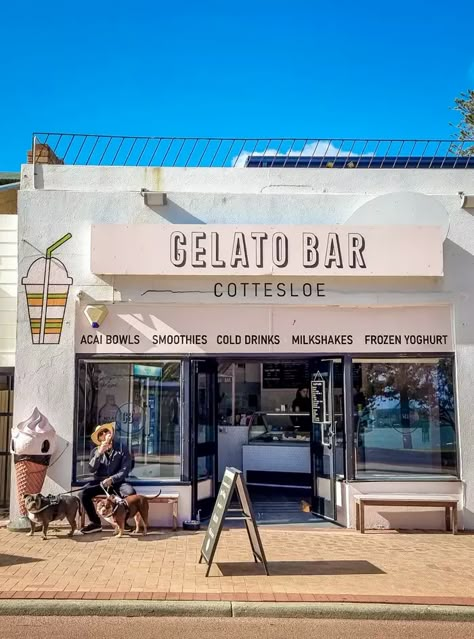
point(173, 249)
point(254, 329)
point(318, 400)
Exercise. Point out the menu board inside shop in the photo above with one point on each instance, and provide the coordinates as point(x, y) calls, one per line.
point(285, 374)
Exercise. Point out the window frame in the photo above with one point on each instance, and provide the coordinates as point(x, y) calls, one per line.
point(184, 479)
point(350, 441)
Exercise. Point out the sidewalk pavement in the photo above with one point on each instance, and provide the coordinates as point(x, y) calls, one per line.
point(326, 565)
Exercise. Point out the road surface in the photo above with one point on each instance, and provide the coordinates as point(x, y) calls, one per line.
point(198, 628)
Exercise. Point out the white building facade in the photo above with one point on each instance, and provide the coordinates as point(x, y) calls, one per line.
point(194, 319)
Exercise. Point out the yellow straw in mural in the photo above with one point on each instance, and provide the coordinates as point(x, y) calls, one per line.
point(47, 287)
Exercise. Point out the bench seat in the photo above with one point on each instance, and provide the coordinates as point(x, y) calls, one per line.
point(163, 498)
point(448, 502)
point(168, 498)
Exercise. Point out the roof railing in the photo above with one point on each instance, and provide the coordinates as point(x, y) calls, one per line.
point(110, 150)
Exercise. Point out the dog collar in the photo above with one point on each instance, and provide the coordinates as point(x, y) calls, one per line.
point(121, 502)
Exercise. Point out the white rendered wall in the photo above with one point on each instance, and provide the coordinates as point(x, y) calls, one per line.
point(61, 199)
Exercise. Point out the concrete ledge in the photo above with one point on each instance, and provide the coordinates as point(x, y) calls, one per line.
point(126, 608)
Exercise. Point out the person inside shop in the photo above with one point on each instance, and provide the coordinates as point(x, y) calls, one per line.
point(110, 465)
point(302, 401)
point(360, 419)
point(301, 404)
point(359, 398)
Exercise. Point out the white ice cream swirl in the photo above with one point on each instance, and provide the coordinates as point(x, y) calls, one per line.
point(34, 436)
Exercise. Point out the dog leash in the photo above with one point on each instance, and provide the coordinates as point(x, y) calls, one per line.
point(78, 490)
point(35, 512)
point(69, 492)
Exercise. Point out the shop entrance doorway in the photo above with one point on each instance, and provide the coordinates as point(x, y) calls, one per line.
point(6, 416)
point(327, 435)
point(203, 404)
point(281, 421)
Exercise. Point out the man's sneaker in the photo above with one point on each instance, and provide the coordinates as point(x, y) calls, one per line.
point(91, 528)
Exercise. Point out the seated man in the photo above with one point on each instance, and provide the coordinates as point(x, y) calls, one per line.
point(110, 465)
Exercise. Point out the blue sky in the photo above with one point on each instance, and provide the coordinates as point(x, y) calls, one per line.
point(289, 68)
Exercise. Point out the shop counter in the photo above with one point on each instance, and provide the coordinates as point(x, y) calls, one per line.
point(276, 457)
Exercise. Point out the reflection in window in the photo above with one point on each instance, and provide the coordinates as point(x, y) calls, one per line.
point(205, 467)
point(239, 392)
point(404, 417)
point(143, 399)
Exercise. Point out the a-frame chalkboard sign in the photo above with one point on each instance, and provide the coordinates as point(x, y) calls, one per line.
point(232, 479)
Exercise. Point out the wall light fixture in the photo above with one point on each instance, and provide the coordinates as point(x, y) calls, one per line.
point(96, 314)
point(467, 201)
point(153, 198)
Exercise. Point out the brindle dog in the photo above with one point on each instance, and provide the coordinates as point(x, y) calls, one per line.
point(43, 510)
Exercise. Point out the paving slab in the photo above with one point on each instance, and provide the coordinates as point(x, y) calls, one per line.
point(315, 566)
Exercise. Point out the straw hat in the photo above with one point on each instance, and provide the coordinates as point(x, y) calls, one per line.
point(99, 429)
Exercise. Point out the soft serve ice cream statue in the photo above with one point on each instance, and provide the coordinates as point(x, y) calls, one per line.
point(33, 437)
point(32, 444)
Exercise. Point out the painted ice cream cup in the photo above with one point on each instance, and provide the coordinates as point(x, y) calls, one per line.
point(47, 286)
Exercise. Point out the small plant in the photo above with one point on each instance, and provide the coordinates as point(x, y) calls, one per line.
point(465, 106)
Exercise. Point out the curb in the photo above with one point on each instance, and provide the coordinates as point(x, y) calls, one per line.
point(385, 612)
point(124, 608)
point(117, 608)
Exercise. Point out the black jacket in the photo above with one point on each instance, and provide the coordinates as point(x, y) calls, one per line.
point(116, 463)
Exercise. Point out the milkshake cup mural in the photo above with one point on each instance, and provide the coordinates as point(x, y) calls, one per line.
point(47, 287)
point(32, 444)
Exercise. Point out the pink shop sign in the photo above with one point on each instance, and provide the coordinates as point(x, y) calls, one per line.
point(199, 249)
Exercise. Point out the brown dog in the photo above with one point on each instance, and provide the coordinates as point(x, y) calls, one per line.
point(116, 511)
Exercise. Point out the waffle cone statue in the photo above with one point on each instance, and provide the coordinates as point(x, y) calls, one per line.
point(33, 442)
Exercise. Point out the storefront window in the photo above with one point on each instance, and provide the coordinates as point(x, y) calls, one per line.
point(404, 418)
point(143, 399)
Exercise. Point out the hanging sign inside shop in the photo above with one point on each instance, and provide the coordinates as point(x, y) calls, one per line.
point(232, 481)
point(226, 249)
point(318, 399)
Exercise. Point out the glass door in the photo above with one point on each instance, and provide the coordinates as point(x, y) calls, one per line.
point(327, 434)
point(204, 429)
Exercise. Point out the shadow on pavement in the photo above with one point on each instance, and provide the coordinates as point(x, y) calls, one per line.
point(282, 568)
point(152, 535)
point(12, 560)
